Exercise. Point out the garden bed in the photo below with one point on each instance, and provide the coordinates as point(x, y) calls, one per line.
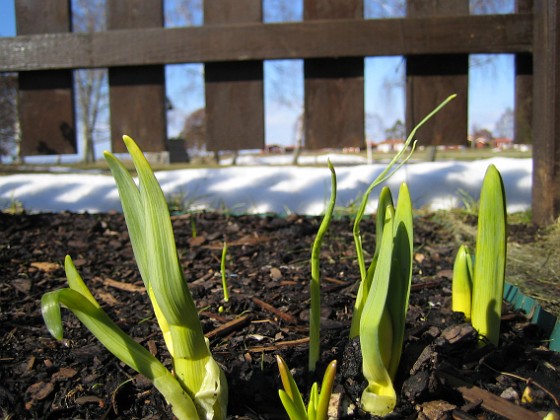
point(442, 370)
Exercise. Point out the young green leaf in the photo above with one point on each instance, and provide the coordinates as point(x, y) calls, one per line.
point(385, 200)
point(462, 282)
point(383, 318)
point(394, 165)
point(315, 287)
point(147, 217)
point(81, 302)
point(290, 396)
point(489, 268)
point(317, 408)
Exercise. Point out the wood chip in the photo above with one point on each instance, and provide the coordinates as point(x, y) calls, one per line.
point(280, 344)
point(22, 285)
point(47, 267)
point(127, 287)
point(490, 402)
point(282, 315)
point(90, 399)
point(64, 373)
point(228, 327)
point(40, 390)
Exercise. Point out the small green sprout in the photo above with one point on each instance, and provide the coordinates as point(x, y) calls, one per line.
point(462, 282)
point(317, 408)
point(224, 273)
point(315, 288)
point(197, 388)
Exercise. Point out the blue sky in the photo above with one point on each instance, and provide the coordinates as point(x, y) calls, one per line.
point(491, 82)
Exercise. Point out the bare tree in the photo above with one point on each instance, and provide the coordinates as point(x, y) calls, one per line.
point(91, 86)
point(8, 115)
point(505, 124)
point(194, 131)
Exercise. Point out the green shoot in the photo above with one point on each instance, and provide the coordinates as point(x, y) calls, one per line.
point(383, 319)
point(385, 200)
point(394, 165)
point(78, 299)
point(193, 228)
point(315, 288)
point(489, 267)
point(317, 408)
point(224, 273)
point(462, 282)
point(197, 388)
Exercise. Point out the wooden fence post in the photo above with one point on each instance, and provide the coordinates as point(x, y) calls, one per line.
point(334, 87)
point(546, 112)
point(46, 100)
point(431, 78)
point(523, 111)
point(137, 93)
point(234, 91)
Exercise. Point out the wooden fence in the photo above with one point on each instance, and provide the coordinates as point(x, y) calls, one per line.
point(333, 39)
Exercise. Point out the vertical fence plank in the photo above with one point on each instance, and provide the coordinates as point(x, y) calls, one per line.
point(46, 100)
point(334, 87)
point(431, 79)
point(523, 122)
point(234, 91)
point(137, 93)
point(546, 112)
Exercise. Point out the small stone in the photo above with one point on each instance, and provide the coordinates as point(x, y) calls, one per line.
point(275, 274)
point(435, 410)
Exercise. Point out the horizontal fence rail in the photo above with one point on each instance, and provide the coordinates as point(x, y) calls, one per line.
point(484, 34)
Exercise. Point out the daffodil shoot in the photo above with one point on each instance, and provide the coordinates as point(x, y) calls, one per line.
point(490, 258)
point(462, 282)
point(382, 321)
point(197, 388)
point(318, 405)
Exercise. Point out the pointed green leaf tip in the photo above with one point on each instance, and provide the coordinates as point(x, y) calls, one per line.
point(462, 282)
point(490, 264)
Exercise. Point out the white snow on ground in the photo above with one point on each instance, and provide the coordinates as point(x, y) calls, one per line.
point(264, 188)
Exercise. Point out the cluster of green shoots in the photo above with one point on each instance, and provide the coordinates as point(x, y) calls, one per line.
point(382, 300)
point(196, 387)
point(478, 281)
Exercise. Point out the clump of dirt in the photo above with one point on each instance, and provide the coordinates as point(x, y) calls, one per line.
point(443, 370)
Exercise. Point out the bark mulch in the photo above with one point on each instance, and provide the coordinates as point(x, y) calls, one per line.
point(443, 373)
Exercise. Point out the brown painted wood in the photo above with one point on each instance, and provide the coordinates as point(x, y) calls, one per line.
point(46, 100)
point(430, 79)
point(546, 112)
point(234, 91)
point(137, 93)
point(523, 123)
point(256, 41)
point(333, 87)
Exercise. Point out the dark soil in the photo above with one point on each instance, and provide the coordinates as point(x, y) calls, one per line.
point(268, 274)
